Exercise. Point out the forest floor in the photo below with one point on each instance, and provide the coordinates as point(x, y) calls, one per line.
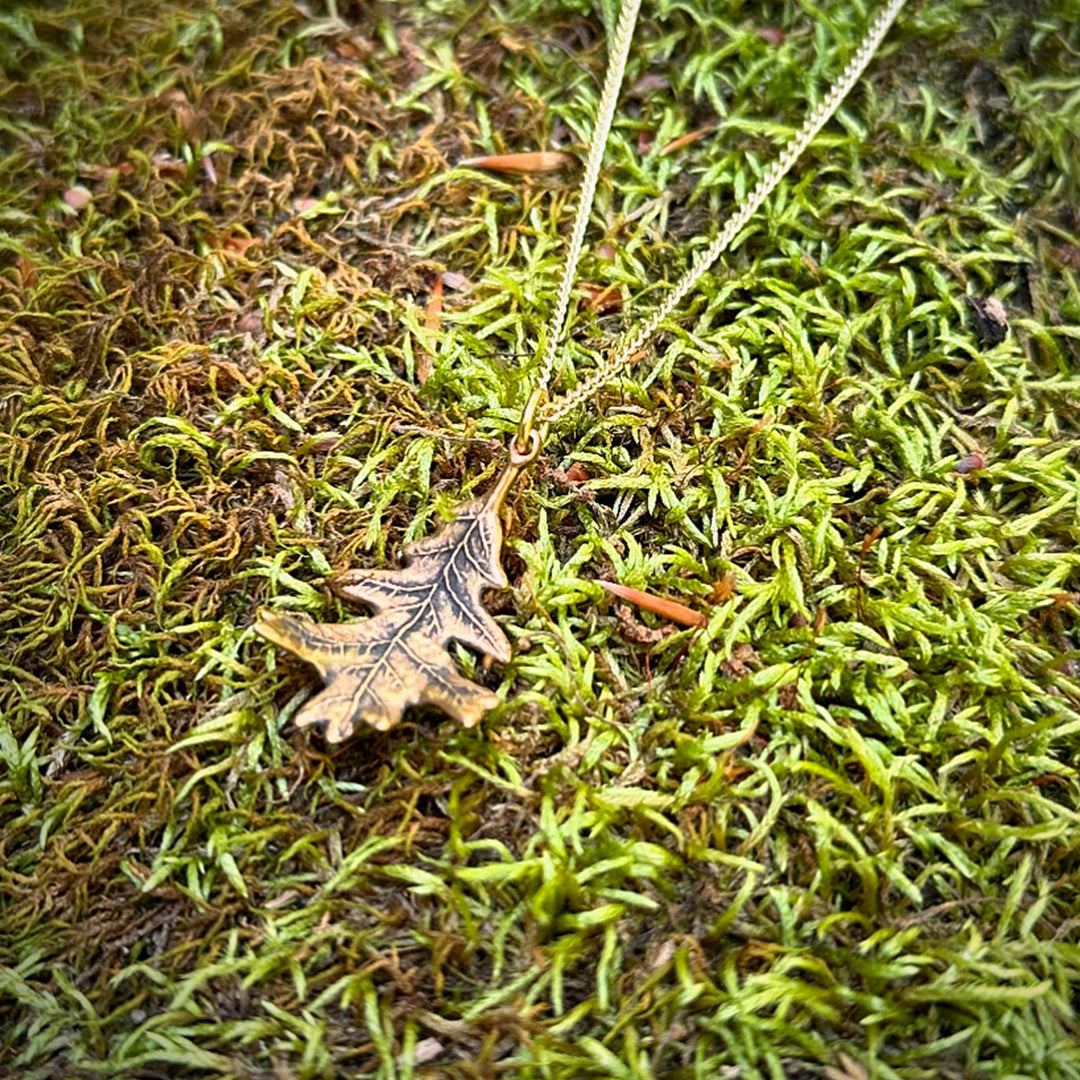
point(259, 325)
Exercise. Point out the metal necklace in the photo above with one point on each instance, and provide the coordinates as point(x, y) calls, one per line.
point(375, 669)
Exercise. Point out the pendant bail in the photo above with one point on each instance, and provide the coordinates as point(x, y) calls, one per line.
point(518, 459)
point(528, 420)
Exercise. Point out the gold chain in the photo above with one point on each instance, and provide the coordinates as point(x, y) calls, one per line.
point(539, 413)
point(605, 113)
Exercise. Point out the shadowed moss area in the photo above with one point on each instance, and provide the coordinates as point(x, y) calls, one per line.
point(258, 326)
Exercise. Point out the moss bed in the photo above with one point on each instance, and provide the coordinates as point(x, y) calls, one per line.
point(259, 324)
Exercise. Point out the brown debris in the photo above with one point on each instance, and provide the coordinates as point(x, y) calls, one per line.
point(637, 632)
point(601, 299)
point(577, 473)
point(742, 662)
point(724, 589)
point(991, 320)
point(788, 697)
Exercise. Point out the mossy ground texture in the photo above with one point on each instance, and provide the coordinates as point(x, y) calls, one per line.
point(833, 833)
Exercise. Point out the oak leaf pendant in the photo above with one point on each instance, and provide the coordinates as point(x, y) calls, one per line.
point(375, 669)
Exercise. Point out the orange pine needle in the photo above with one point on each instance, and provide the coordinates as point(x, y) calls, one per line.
point(684, 140)
point(542, 161)
point(433, 315)
point(432, 322)
point(667, 609)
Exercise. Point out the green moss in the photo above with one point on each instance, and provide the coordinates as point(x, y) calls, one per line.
point(834, 832)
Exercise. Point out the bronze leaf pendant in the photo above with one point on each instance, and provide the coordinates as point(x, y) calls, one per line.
point(375, 669)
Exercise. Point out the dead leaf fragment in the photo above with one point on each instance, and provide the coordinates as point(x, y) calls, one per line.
point(742, 661)
point(183, 112)
point(250, 322)
point(849, 1069)
point(27, 271)
point(236, 246)
point(539, 161)
point(511, 43)
point(724, 589)
point(433, 314)
point(991, 319)
point(1068, 255)
point(667, 609)
point(168, 166)
point(649, 82)
point(573, 478)
point(426, 1050)
point(600, 299)
point(352, 49)
point(788, 697)
point(78, 197)
point(663, 955)
point(455, 281)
